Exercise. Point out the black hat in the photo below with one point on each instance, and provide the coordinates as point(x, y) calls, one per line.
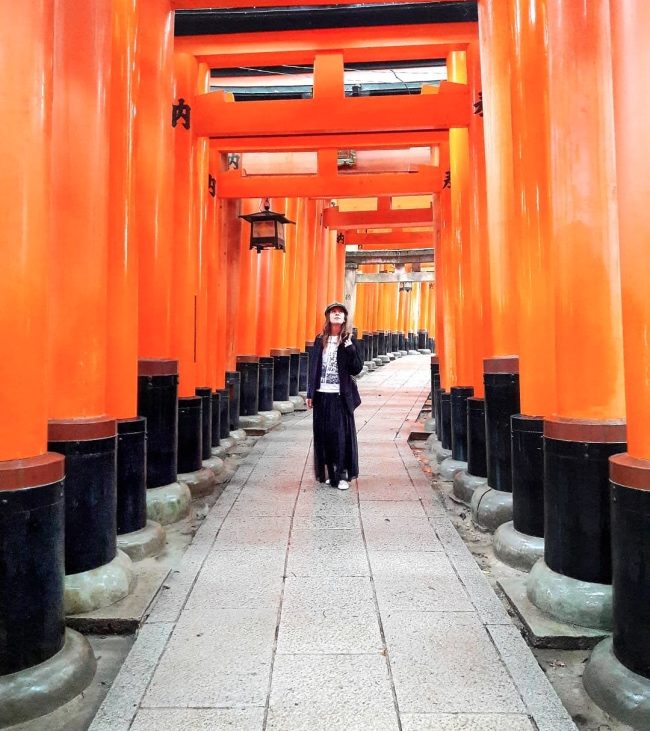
point(332, 305)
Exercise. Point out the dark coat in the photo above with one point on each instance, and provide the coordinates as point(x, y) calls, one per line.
point(349, 363)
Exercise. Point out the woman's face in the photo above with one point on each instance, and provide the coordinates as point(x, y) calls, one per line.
point(337, 316)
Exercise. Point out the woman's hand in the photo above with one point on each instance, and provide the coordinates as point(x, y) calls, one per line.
point(308, 401)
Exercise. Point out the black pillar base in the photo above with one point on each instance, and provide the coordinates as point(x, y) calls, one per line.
point(303, 373)
point(233, 386)
point(131, 512)
point(476, 451)
point(265, 389)
point(205, 393)
point(459, 396)
point(528, 474)
point(630, 526)
point(89, 447)
point(501, 379)
point(576, 497)
point(158, 403)
point(445, 419)
point(282, 372)
point(224, 415)
point(31, 561)
point(248, 367)
point(190, 418)
point(215, 432)
point(294, 371)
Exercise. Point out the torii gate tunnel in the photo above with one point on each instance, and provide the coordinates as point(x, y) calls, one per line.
point(482, 168)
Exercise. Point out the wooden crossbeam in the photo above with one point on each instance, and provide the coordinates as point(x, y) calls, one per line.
point(393, 240)
point(298, 47)
point(232, 184)
point(386, 277)
point(383, 218)
point(395, 256)
point(213, 115)
point(351, 141)
point(202, 4)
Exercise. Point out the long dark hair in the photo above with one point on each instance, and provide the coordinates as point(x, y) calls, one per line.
point(327, 330)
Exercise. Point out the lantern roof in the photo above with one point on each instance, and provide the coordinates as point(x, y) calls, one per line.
point(266, 215)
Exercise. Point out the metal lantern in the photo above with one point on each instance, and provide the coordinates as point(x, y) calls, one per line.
point(267, 228)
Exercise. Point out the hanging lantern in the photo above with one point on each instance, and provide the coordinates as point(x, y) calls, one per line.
point(267, 228)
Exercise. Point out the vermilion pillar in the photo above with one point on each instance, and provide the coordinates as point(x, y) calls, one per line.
point(459, 255)
point(520, 543)
point(307, 290)
point(154, 171)
point(185, 254)
point(297, 275)
point(618, 673)
point(332, 272)
point(466, 482)
point(321, 275)
point(588, 426)
point(205, 189)
point(288, 300)
point(31, 480)
point(501, 378)
point(79, 427)
point(134, 535)
point(249, 299)
point(122, 342)
point(496, 49)
point(154, 232)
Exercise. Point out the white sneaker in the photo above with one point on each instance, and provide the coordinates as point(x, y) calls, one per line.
point(327, 481)
point(343, 485)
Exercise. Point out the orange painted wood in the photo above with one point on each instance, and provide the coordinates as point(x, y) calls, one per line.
point(479, 264)
point(154, 166)
point(214, 116)
point(289, 293)
point(584, 233)
point(78, 234)
point(213, 280)
point(306, 215)
point(185, 257)
point(265, 316)
point(228, 227)
point(631, 61)
point(425, 180)
point(460, 254)
point(26, 40)
point(311, 143)
point(231, 262)
point(299, 47)
point(321, 273)
point(385, 218)
point(530, 90)
point(313, 272)
point(122, 289)
point(202, 163)
point(249, 299)
point(496, 50)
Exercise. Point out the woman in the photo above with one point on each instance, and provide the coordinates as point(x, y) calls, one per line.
point(334, 396)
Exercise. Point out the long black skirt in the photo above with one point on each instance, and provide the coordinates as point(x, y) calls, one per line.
point(335, 439)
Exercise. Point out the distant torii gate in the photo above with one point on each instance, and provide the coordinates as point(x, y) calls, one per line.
point(397, 257)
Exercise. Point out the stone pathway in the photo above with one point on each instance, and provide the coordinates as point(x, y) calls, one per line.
point(298, 606)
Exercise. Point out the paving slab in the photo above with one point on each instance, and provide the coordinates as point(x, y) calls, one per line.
point(299, 606)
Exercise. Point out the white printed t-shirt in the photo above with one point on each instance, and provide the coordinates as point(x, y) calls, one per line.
point(329, 375)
